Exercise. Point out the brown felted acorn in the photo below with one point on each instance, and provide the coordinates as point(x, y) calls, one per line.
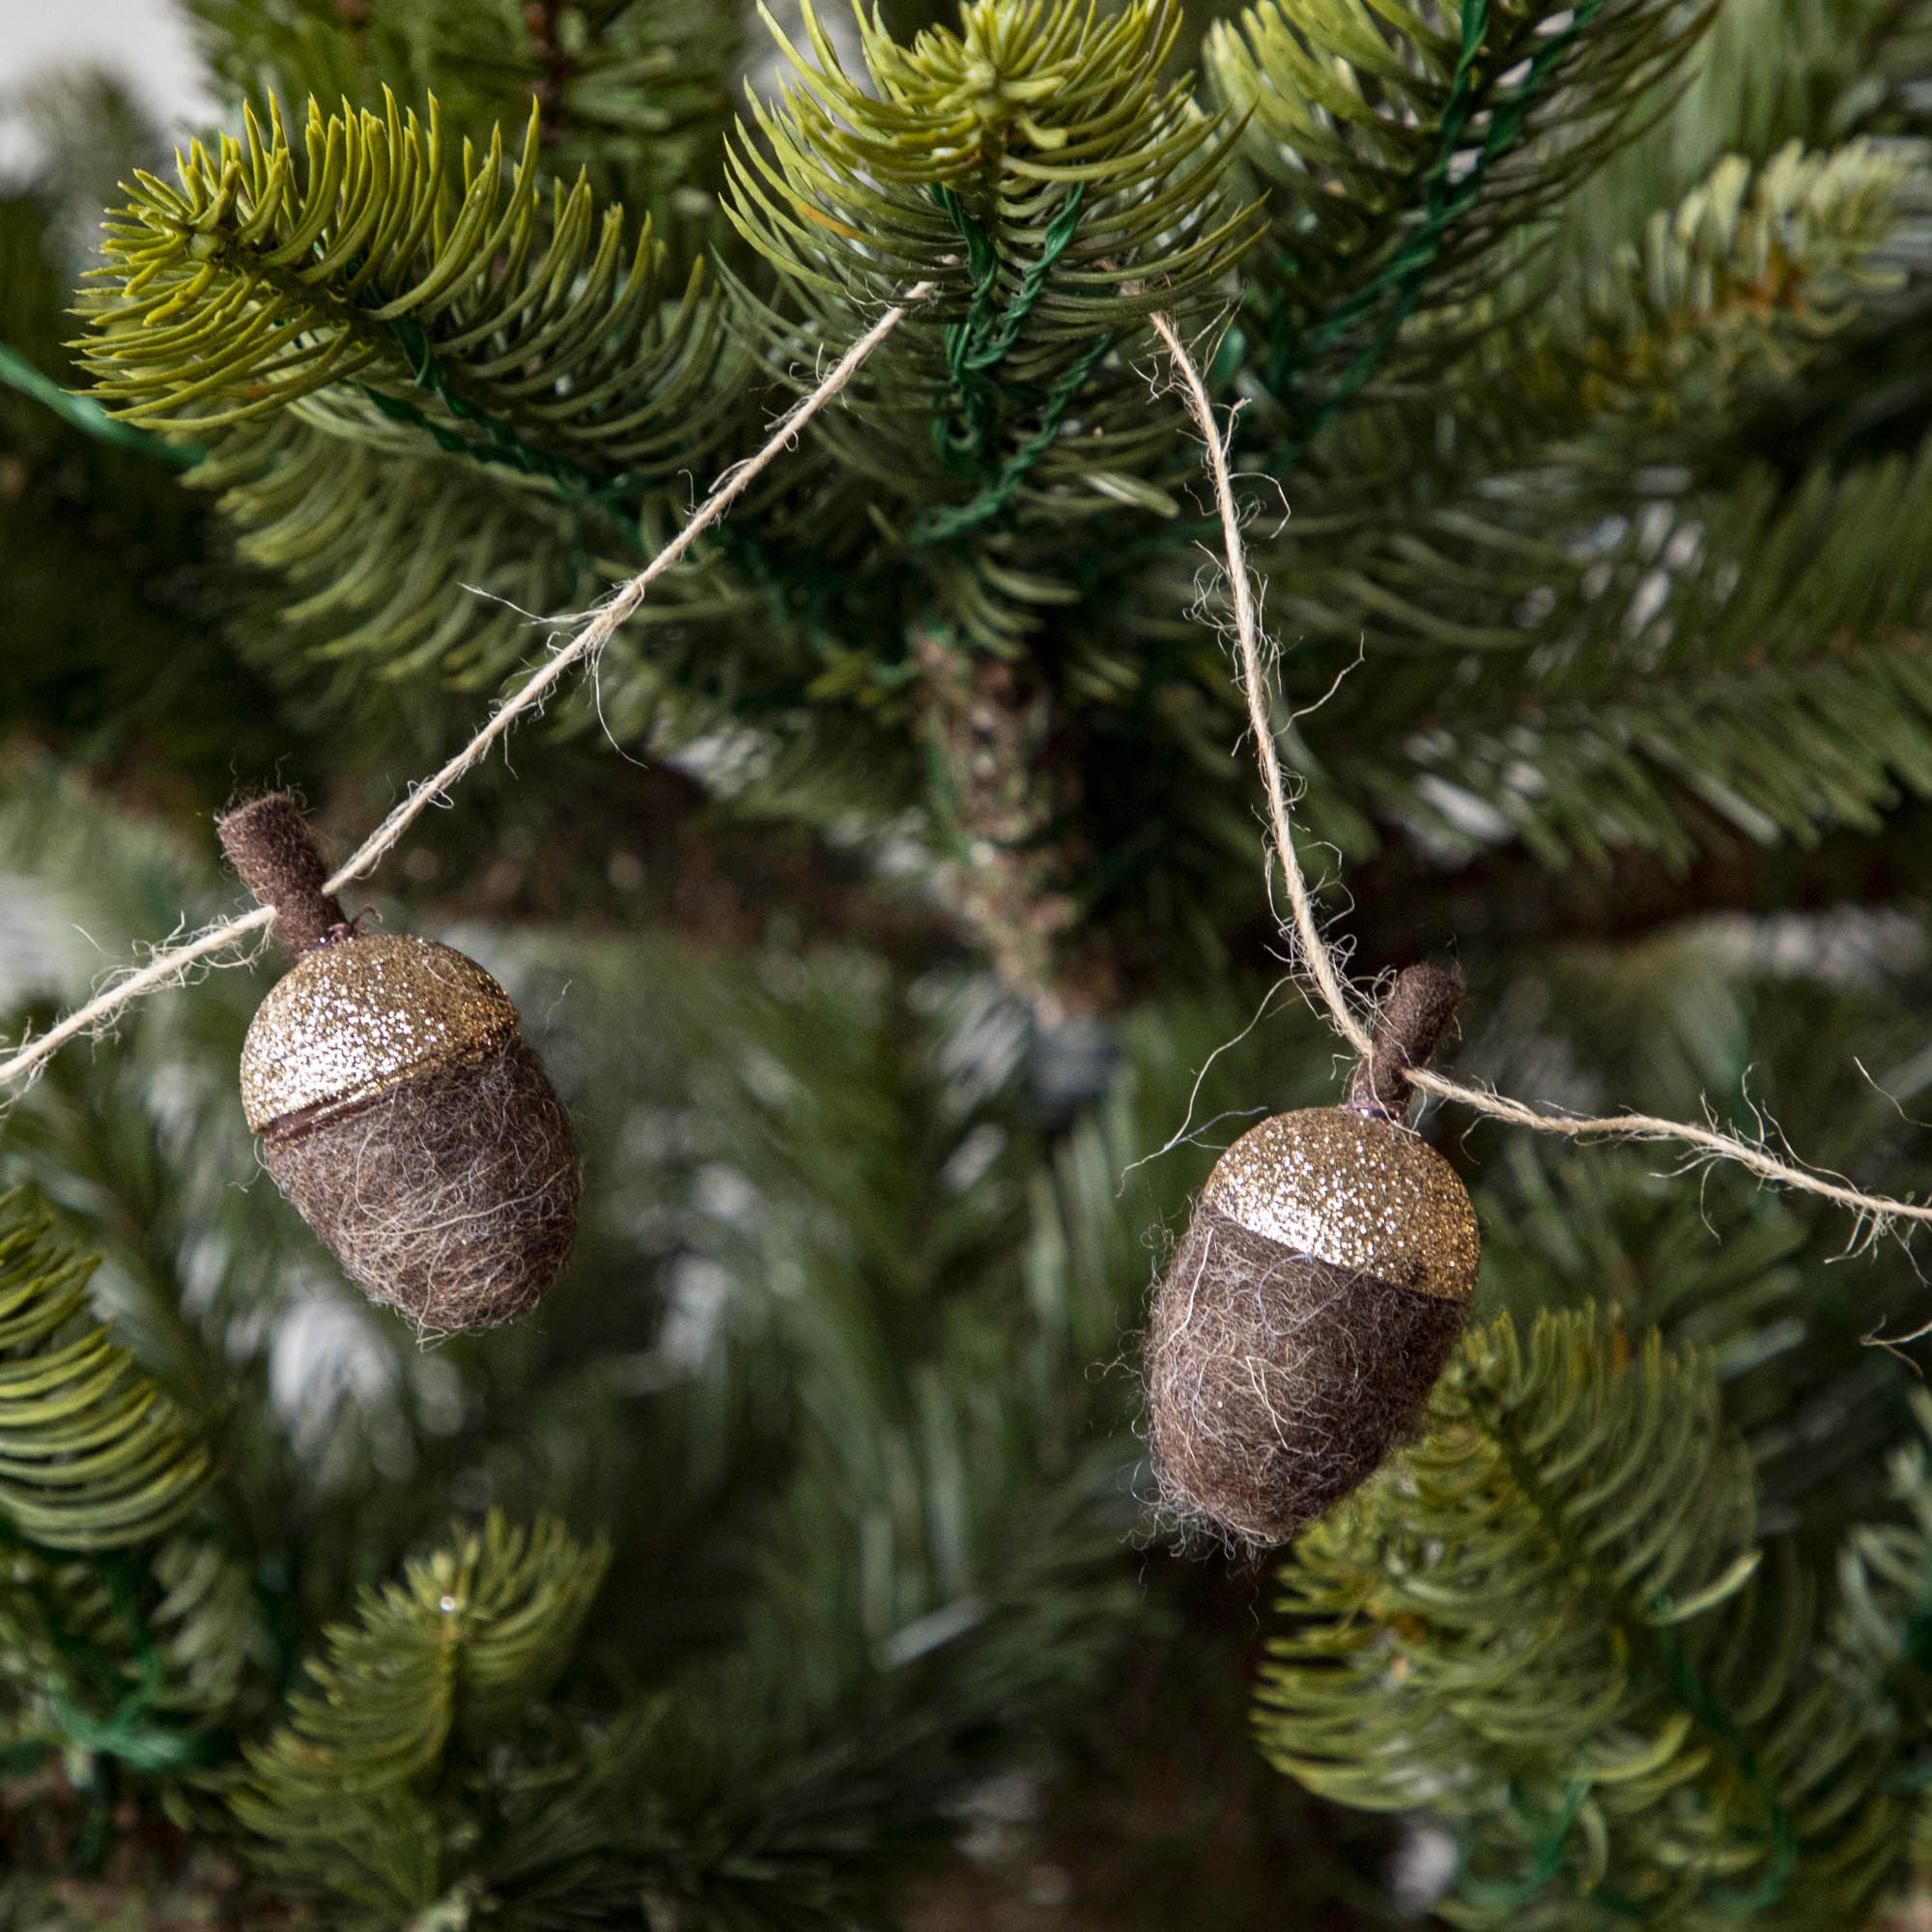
point(1318, 1293)
point(399, 1112)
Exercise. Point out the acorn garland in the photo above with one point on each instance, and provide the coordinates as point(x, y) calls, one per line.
point(399, 1111)
point(1316, 1297)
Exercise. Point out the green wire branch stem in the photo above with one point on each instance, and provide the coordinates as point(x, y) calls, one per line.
point(943, 526)
point(1443, 203)
point(129, 1731)
point(167, 968)
point(84, 414)
point(617, 497)
point(976, 347)
point(1780, 1832)
point(1876, 1213)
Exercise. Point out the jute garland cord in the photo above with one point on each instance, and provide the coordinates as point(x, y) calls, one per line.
point(165, 969)
point(1877, 1212)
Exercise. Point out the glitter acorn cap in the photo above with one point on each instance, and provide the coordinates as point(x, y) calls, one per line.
point(358, 1015)
point(1352, 1185)
point(1359, 1192)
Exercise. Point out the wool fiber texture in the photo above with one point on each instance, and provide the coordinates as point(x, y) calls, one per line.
point(1414, 1020)
point(451, 1196)
point(1277, 1383)
point(267, 842)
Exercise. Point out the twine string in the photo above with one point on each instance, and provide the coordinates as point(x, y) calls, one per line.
point(1878, 1212)
point(166, 967)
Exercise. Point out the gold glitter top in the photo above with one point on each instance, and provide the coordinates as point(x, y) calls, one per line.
point(352, 1018)
point(1359, 1193)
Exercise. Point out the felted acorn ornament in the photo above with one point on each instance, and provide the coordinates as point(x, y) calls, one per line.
point(399, 1111)
point(1320, 1286)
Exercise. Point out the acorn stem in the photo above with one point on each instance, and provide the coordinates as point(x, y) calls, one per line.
point(267, 842)
point(1413, 1019)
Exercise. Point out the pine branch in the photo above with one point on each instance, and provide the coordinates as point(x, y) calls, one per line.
point(341, 1798)
point(403, 304)
point(92, 1454)
point(481, 397)
point(1039, 168)
point(1071, 188)
point(140, 1665)
point(632, 90)
point(412, 562)
point(1634, 659)
point(1802, 1025)
point(1758, 653)
point(1754, 274)
point(131, 1658)
point(1765, 75)
point(1406, 163)
point(1544, 1625)
point(1883, 1596)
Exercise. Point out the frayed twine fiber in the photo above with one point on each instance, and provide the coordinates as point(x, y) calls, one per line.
point(1875, 1215)
point(1278, 1382)
point(216, 947)
point(451, 1196)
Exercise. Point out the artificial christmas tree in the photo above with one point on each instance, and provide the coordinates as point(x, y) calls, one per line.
point(888, 901)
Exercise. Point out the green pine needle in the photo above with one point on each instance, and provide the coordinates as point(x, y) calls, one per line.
point(93, 1456)
point(1545, 1624)
point(343, 1796)
point(1390, 147)
point(405, 295)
